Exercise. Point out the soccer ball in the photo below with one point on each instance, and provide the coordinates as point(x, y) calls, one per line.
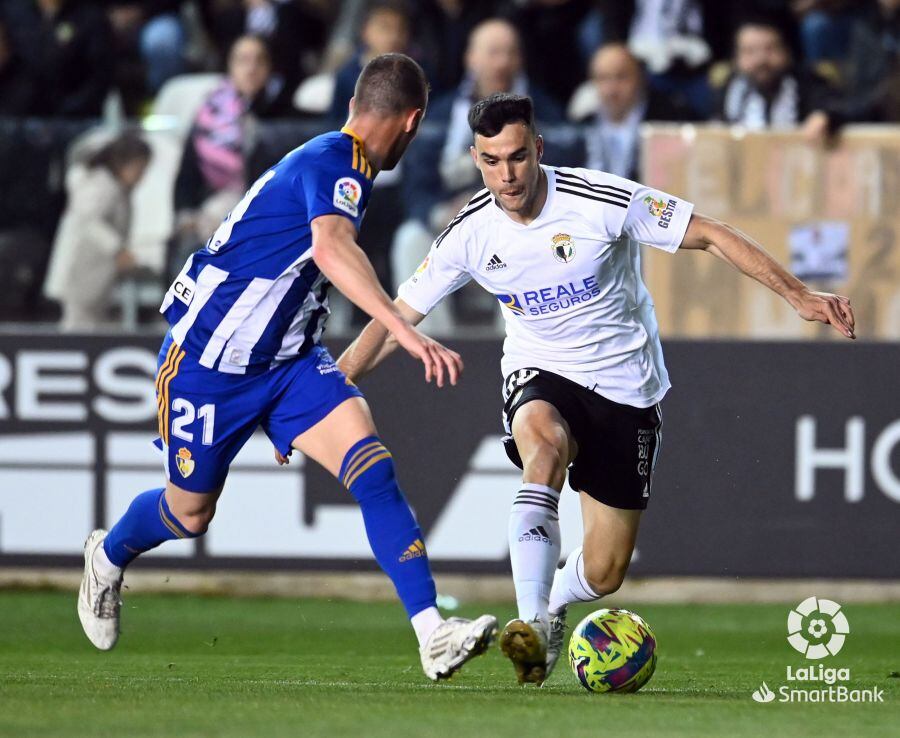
point(612, 651)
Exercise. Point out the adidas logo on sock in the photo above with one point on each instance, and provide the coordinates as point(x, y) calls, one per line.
point(415, 550)
point(538, 534)
point(495, 263)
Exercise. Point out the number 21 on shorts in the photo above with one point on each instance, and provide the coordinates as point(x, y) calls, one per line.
point(184, 414)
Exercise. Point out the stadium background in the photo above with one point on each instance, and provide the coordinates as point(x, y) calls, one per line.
point(780, 472)
point(782, 447)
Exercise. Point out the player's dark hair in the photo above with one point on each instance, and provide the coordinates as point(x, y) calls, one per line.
point(391, 84)
point(488, 117)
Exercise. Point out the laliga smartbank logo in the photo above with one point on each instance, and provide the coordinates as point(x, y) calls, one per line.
point(817, 628)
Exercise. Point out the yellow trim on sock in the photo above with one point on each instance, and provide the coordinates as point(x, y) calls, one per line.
point(380, 457)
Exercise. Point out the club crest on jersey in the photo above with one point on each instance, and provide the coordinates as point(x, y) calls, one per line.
point(347, 194)
point(563, 247)
point(184, 462)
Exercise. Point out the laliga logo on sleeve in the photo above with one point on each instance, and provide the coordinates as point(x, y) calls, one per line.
point(817, 628)
point(347, 193)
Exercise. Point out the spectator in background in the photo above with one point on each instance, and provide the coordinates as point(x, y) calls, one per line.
point(671, 38)
point(90, 252)
point(442, 30)
point(765, 90)
point(65, 47)
point(293, 29)
point(16, 86)
point(623, 103)
point(872, 69)
point(550, 28)
point(152, 30)
point(824, 27)
point(212, 176)
point(385, 30)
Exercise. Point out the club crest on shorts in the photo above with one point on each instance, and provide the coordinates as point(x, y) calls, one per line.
point(184, 462)
point(563, 247)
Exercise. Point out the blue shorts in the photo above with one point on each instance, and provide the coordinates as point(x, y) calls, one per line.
point(206, 416)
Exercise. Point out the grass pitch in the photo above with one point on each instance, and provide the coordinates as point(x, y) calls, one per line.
point(208, 666)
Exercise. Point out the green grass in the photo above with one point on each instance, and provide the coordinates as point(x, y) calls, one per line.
point(207, 666)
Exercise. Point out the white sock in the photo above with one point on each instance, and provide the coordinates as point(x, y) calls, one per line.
point(569, 584)
point(425, 623)
point(103, 567)
point(534, 545)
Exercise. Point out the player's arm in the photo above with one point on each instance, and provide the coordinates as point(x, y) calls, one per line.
point(749, 257)
point(343, 262)
point(375, 344)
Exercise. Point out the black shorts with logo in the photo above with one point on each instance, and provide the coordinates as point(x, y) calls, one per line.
point(617, 444)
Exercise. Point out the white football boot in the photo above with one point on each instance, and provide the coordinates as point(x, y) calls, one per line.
point(525, 644)
point(556, 641)
point(98, 599)
point(454, 642)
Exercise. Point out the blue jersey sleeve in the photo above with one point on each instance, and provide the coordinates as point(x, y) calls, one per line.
point(331, 185)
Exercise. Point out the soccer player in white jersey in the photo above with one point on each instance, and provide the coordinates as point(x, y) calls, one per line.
point(583, 366)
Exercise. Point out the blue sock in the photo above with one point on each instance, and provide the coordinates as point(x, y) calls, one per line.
point(147, 523)
point(368, 472)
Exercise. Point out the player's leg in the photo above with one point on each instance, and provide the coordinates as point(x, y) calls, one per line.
point(338, 433)
point(598, 566)
point(546, 447)
point(614, 476)
point(154, 517)
point(203, 422)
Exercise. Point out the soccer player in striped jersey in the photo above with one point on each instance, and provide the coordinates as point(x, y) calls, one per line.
point(246, 314)
point(582, 361)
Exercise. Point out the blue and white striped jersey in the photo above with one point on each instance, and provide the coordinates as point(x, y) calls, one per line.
point(253, 295)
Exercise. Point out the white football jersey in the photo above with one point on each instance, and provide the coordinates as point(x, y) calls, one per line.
point(569, 283)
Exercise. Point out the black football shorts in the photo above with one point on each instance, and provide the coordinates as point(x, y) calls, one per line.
point(617, 444)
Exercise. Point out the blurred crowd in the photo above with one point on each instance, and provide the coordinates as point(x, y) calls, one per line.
point(595, 68)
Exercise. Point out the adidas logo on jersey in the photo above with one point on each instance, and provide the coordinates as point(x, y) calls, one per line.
point(415, 550)
point(538, 534)
point(495, 263)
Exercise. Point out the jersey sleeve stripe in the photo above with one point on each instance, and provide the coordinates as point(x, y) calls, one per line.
point(466, 209)
point(596, 185)
point(355, 154)
point(596, 189)
point(458, 219)
point(617, 203)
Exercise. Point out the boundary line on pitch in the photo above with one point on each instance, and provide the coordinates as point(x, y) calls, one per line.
point(375, 587)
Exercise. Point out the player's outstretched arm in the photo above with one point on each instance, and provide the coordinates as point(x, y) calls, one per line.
point(338, 256)
point(374, 344)
point(745, 254)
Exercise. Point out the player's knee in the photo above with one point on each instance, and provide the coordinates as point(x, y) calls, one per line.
point(544, 462)
point(197, 522)
point(368, 471)
point(193, 511)
point(604, 575)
